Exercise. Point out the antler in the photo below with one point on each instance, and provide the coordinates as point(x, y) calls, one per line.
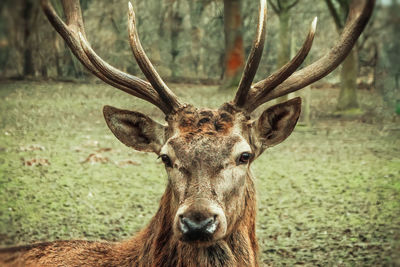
point(73, 32)
point(284, 81)
point(254, 57)
point(145, 65)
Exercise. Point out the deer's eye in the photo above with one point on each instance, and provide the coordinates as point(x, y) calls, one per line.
point(244, 158)
point(166, 160)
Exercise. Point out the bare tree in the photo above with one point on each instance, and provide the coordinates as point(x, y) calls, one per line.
point(282, 9)
point(234, 51)
point(26, 15)
point(339, 10)
point(196, 9)
point(174, 20)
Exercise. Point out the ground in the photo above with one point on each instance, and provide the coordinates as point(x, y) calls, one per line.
point(328, 196)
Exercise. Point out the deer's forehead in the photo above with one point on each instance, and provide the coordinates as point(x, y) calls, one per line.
point(205, 133)
point(204, 121)
point(208, 149)
point(198, 143)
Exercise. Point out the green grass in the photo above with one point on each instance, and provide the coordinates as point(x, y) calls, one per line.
point(328, 196)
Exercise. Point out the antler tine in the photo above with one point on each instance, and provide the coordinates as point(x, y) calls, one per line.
point(147, 68)
point(254, 57)
point(359, 14)
point(267, 85)
point(118, 76)
point(70, 33)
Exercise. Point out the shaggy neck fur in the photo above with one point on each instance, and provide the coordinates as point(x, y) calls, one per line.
point(156, 246)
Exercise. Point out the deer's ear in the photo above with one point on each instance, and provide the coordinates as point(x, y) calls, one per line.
point(135, 129)
point(276, 123)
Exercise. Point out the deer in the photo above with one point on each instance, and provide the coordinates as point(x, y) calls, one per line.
point(207, 214)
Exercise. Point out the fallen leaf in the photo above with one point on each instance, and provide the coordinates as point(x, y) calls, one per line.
point(96, 158)
point(103, 149)
point(37, 162)
point(77, 149)
point(127, 162)
point(31, 147)
point(91, 143)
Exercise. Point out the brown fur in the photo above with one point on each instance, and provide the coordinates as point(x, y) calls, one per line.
point(193, 121)
point(153, 246)
point(206, 168)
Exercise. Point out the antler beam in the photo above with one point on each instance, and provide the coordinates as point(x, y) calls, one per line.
point(145, 65)
point(73, 32)
point(254, 57)
point(284, 81)
point(268, 84)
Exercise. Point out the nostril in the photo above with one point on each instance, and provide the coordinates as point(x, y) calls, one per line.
point(183, 224)
point(207, 226)
point(212, 225)
point(206, 222)
point(191, 225)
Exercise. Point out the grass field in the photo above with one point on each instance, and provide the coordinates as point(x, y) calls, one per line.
point(327, 196)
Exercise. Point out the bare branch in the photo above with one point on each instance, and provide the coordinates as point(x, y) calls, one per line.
point(279, 4)
point(335, 15)
point(274, 7)
point(292, 4)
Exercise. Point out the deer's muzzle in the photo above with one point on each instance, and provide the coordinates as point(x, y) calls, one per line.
point(200, 221)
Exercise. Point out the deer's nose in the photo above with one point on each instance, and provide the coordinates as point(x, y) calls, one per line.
point(198, 228)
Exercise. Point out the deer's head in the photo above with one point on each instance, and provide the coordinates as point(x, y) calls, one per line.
point(207, 152)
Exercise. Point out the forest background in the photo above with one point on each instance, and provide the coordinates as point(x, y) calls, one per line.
point(329, 195)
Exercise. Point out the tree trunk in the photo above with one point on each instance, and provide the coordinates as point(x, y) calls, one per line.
point(234, 51)
point(348, 83)
point(28, 67)
point(175, 27)
point(284, 43)
point(57, 53)
point(349, 69)
point(196, 11)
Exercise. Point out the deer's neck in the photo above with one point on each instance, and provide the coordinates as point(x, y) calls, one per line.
point(156, 246)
